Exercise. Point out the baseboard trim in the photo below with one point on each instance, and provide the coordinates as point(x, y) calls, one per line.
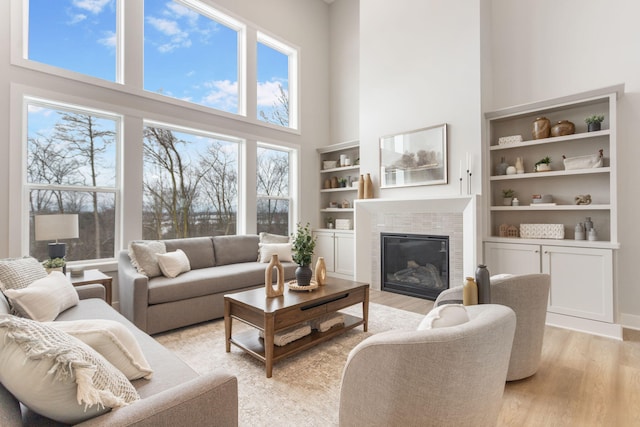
point(594, 327)
point(630, 321)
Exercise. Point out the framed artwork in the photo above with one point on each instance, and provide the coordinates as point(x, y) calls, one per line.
point(413, 158)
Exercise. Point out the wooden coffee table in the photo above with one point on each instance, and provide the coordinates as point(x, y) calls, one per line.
point(271, 315)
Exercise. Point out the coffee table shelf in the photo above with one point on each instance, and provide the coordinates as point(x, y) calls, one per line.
point(251, 342)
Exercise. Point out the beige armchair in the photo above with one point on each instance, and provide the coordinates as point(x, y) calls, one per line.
point(452, 376)
point(528, 296)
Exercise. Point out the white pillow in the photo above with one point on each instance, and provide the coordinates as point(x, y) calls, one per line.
point(45, 298)
point(18, 273)
point(271, 238)
point(57, 375)
point(113, 341)
point(283, 250)
point(173, 263)
point(144, 256)
point(444, 316)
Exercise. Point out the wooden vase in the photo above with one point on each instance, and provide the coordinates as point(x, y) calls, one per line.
point(321, 271)
point(268, 277)
point(361, 187)
point(368, 187)
point(541, 128)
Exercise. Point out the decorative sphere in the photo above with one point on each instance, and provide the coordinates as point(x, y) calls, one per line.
point(511, 170)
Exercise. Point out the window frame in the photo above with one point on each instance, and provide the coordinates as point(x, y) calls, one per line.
point(27, 187)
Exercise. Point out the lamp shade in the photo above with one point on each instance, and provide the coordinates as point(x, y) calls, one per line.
point(58, 226)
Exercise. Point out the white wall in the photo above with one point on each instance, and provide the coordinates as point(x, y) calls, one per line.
point(344, 37)
point(545, 49)
point(420, 66)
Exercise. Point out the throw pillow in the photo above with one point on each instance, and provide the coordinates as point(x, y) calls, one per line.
point(444, 316)
point(270, 238)
point(18, 273)
point(283, 250)
point(113, 341)
point(173, 263)
point(144, 256)
point(45, 298)
point(57, 375)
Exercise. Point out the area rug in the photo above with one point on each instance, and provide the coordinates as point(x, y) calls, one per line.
point(304, 390)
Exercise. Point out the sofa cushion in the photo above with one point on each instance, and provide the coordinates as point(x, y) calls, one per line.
point(18, 273)
point(173, 263)
point(144, 256)
point(45, 298)
point(235, 249)
point(57, 375)
point(207, 281)
point(283, 250)
point(269, 238)
point(199, 250)
point(113, 341)
point(444, 316)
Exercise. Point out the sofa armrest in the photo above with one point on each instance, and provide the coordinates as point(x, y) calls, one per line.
point(451, 294)
point(92, 290)
point(204, 401)
point(133, 291)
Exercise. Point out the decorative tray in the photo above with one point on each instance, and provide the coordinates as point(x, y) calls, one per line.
point(293, 285)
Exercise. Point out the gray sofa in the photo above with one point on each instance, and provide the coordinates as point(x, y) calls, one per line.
point(219, 265)
point(175, 395)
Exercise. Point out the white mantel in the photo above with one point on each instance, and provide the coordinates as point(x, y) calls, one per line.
point(455, 216)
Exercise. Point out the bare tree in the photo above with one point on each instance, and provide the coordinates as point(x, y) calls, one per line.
point(220, 176)
point(88, 142)
point(273, 180)
point(280, 113)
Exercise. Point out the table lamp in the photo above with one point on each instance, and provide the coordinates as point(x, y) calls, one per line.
point(54, 227)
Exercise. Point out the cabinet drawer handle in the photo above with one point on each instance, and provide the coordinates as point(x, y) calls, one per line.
point(546, 252)
point(536, 251)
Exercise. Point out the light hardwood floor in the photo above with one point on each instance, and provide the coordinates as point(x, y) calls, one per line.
point(583, 380)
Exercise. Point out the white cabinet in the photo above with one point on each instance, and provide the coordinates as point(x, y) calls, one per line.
point(581, 294)
point(582, 271)
point(337, 249)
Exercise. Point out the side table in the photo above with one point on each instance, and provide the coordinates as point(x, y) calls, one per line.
point(93, 276)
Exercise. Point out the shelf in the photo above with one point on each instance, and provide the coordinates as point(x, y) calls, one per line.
point(333, 230)
point(341, 169)
point(550, 174)
point(337, 210)
point(337, 190)
point(603, 244)
point(552, 208)
point(575, 136)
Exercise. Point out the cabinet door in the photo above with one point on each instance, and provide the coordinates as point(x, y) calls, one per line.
point(512, 258)
point(581, 281)
point(324, 248)
point(344, 260)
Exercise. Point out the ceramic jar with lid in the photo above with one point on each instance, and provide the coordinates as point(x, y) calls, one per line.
point(563, 127)
point(541, 128)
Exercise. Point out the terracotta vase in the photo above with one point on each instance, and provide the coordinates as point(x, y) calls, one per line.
point(268, 278)
point(563, 127)
point(334, 182)
point(321, 271)
point(368, 187)
point(541, 128)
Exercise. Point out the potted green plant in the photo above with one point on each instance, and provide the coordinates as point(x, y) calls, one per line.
point(543, 164)
point(507, 196)
point(303, 245)
point(55, 264)
point(593, 122)
point(330, 222)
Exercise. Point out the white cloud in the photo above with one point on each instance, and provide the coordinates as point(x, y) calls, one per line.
point(109, 40)
point(223, 94)
point(268, 93)
point(93, 6)
point(78, 17)
point(171, 29)
point(179, 11)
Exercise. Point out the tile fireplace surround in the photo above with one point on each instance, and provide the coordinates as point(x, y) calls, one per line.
point(456, 217)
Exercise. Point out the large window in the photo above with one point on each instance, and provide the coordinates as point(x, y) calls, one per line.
point(190, 183)
point(273, 187)
point(72, 168)
point(75, 35)
point(191, 54)
point(274, 65)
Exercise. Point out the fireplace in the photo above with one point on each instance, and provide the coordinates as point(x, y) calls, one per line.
point(414, 264)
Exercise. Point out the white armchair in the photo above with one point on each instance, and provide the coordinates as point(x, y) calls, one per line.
point(528, 296)
point(451, 376)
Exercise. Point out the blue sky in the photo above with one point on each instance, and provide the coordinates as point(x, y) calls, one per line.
point(186, 55)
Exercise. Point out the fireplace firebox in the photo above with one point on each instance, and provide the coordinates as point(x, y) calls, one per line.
point(414, 264)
